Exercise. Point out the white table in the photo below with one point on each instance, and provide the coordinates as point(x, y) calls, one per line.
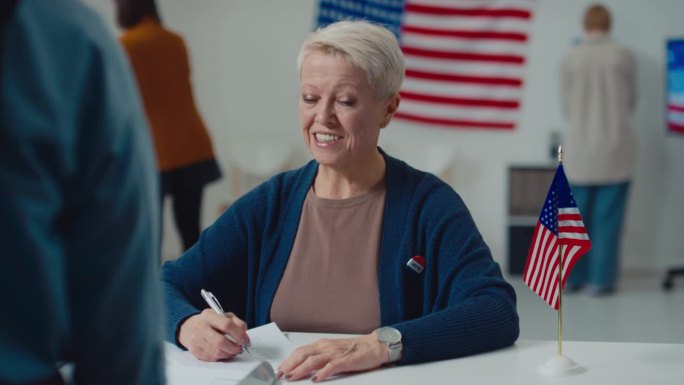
point(606, 363)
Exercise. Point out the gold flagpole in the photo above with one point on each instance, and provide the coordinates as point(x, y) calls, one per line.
point(560, 303)
point(560, 270)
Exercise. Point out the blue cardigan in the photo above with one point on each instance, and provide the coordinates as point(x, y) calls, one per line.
point(457, 306)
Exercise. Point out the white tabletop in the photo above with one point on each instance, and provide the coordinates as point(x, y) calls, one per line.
point(604, 363)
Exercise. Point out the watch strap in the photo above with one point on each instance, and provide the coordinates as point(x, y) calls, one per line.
point(394, 352)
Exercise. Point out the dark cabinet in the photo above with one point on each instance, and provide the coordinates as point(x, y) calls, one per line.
point(527, 189)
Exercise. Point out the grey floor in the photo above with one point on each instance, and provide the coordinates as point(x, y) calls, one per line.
point(640, 311)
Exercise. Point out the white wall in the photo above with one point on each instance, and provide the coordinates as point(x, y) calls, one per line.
point(243, 57)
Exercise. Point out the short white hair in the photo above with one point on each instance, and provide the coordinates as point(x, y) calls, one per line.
point(372, 48)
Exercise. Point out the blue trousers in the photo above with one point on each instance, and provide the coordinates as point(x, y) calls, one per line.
point(602, 208)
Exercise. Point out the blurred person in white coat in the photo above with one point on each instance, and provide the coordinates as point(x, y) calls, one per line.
point(598, 91)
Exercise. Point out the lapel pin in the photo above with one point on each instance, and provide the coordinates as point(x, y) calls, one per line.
point(417, 263)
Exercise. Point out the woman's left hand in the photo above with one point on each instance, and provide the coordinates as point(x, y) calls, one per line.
point(328, 357)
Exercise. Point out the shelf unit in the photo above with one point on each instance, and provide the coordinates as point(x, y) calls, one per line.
point(527, 189)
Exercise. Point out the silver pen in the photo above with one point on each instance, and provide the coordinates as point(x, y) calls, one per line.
point(216, 306)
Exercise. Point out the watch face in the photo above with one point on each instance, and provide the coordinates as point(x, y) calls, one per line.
point(389, 335)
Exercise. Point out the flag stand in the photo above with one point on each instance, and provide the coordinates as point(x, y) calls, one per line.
point(560, 365)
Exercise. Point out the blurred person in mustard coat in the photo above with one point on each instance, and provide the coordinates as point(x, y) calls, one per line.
point(185, 157)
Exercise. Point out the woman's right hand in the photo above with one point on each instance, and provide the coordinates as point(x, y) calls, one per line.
point(204, 335)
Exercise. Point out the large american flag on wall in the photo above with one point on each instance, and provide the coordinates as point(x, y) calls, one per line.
point(675, 85)
point(465, 59)
point(560, 224)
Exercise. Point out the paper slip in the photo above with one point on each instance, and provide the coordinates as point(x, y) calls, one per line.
point(269, 345)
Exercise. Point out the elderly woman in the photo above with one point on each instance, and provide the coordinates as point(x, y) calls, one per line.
point(353, 242)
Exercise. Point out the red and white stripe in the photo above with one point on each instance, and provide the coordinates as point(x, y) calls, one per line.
point(541, 270)
point(675, 114)
point(465, 61)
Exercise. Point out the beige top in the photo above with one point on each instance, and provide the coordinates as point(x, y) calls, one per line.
point(330, 284)
point(599, 95)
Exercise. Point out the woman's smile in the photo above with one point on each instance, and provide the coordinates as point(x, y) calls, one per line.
point(325, 140)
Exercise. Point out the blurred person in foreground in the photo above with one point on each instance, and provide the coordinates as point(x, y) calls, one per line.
point(78, 208)
point(598, 91)
point(355, 241)
point(185, 158)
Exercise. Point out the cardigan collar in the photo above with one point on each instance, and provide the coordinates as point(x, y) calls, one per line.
point(396, 205)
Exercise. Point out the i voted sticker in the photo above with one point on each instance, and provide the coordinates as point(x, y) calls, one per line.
point(416, 263)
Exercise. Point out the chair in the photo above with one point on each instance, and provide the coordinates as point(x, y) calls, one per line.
point(670, 274)
point(253, 162)
point(436, 158)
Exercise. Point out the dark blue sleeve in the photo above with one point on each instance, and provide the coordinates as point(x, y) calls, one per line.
point(471, 308)
point(112, 226)
point(218, 262)
point(235, 258)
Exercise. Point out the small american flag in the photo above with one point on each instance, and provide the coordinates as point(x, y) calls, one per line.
point(560, 223)
point(465, 59)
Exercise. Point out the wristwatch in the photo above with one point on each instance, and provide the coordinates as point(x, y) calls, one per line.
point(392, 338)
